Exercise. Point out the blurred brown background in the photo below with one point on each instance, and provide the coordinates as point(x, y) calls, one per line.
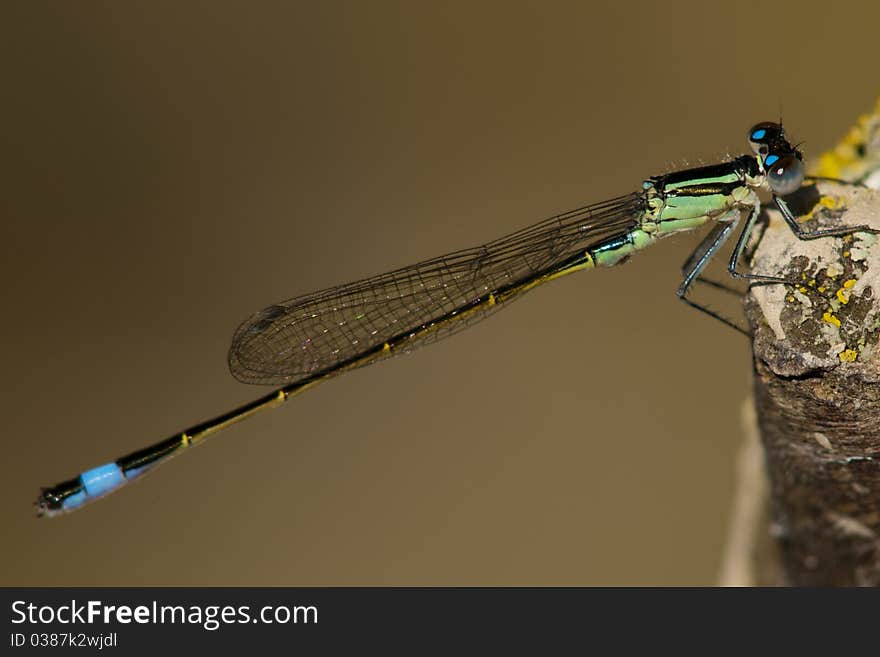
point(168, 169)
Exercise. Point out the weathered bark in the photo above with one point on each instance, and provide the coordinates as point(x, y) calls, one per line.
point(817, 387)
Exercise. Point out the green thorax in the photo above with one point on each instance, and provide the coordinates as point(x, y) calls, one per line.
point(685, 200)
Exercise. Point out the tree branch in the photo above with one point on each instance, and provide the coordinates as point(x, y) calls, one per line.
point(817, 386)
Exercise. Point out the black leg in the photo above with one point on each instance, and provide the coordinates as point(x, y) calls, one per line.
point(801, 234)
point(698, 260)
point(718, 285)
point(855, 183)
point(696, 255)
point(740, 247)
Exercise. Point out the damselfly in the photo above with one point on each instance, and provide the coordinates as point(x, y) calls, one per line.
point(299, 343)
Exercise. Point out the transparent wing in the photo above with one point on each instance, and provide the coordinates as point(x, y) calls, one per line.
point(295, 339)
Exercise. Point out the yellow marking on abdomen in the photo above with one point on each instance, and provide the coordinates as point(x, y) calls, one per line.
point(588, 263)
point(491, 300)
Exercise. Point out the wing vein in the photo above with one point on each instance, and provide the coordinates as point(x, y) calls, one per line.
point(292, 340)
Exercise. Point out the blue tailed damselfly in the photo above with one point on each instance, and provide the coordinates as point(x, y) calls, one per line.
point(299, 343)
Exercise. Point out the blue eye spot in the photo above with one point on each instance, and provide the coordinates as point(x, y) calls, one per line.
point(759, 134)
point(770, 159)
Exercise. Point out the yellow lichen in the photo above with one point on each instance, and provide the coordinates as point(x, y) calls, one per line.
point(848, 355)
point(831, 319)
point(854, 155)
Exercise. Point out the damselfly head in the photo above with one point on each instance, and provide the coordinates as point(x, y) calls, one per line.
point(764, 136)
point(782, 162)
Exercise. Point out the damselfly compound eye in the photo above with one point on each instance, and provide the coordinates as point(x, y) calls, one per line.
point(784, 173)
point(763, 135)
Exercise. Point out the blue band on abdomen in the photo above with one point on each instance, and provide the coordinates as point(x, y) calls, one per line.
point(102, 479)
